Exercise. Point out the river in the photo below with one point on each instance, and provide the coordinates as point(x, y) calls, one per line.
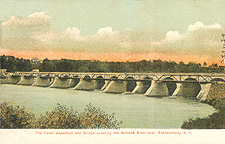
point(136, 110)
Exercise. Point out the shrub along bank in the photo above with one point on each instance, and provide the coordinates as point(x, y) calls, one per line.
point(13, 117)
point(217, 91)
point(216, 98)
point(214, 121)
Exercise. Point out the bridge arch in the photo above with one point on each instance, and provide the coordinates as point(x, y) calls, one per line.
point(143, 86)
point(131, 84)
point(190, 79)
point(114, 77)
point(190, 87)
point(87, 77)
point(148, 82)
point(218, 80)
point(76, 76)
point(63, 77)
point(100, 82)
point(74, 81)
point(171, 84)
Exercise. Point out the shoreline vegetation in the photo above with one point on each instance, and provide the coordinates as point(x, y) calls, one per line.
point(13, 64)
point(214, 121)
point(15, 117)
point(215, 98)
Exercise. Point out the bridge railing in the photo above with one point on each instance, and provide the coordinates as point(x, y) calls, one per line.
point(129, 76)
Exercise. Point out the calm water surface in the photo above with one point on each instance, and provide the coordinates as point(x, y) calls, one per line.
point(136, 111)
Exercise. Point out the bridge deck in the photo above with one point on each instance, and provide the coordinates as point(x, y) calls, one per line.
point(165, 77)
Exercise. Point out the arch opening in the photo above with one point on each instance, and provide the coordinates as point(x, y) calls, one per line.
point(74, 81)
point(114, 77)
point(87, 78)
point(190, 88)
point(130, 84)
point(146, 84)
point(63, 77)
point(190, 80)
point(171, 84)
point(218, 80)
point(100, 82)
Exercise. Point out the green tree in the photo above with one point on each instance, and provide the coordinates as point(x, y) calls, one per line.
point(102, 67)
point(15, 117)
point(46, 66)
point(3, 64)
point(214, 65)
point(204, 64)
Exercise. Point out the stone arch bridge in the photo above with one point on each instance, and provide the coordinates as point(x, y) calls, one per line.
point(149, 84)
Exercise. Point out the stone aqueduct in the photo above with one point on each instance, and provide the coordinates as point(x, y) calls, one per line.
point(150, 84)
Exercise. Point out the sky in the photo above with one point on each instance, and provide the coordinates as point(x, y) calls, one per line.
point(113, 30)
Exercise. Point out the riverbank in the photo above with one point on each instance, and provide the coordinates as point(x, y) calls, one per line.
point(215, 98)
point(217, 91)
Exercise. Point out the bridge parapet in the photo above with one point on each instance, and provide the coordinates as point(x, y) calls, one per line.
point(189, 77)
point(151, 84)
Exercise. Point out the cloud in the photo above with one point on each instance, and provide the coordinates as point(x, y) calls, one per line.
point(199, 25)
point(172, 36)
point(107, 32)
point(105, 40)
point(37, 18)
point(72, 31)
point(17, 27)
point(34, 32)
point(199, 39)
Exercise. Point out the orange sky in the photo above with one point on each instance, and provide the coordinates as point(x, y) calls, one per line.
point(23, 39)
point(43, 33)
point(111, 56)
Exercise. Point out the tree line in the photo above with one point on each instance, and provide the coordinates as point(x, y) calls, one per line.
point(13, 64)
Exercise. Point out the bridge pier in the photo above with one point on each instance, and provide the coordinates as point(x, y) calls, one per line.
point(85, 84)
point(157, 89)
point(130, 85)
point(137, 87)
point(202, 95)
point(105, 85)
point(171, 87)
point(11, 80)
point(42, 82)
point(99, 84)
point(26, 80)
point(187, 85)
point(188, 89)
point(74, 82)
point(177, 89)
point(116, 87)
point(62, 83)
point(51, 81)
point(141, 87)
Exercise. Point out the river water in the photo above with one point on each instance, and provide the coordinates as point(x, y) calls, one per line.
point(136, 111)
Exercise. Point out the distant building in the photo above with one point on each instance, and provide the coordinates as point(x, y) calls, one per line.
point(35, 60)
point(3, 72)
point(35, 70)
